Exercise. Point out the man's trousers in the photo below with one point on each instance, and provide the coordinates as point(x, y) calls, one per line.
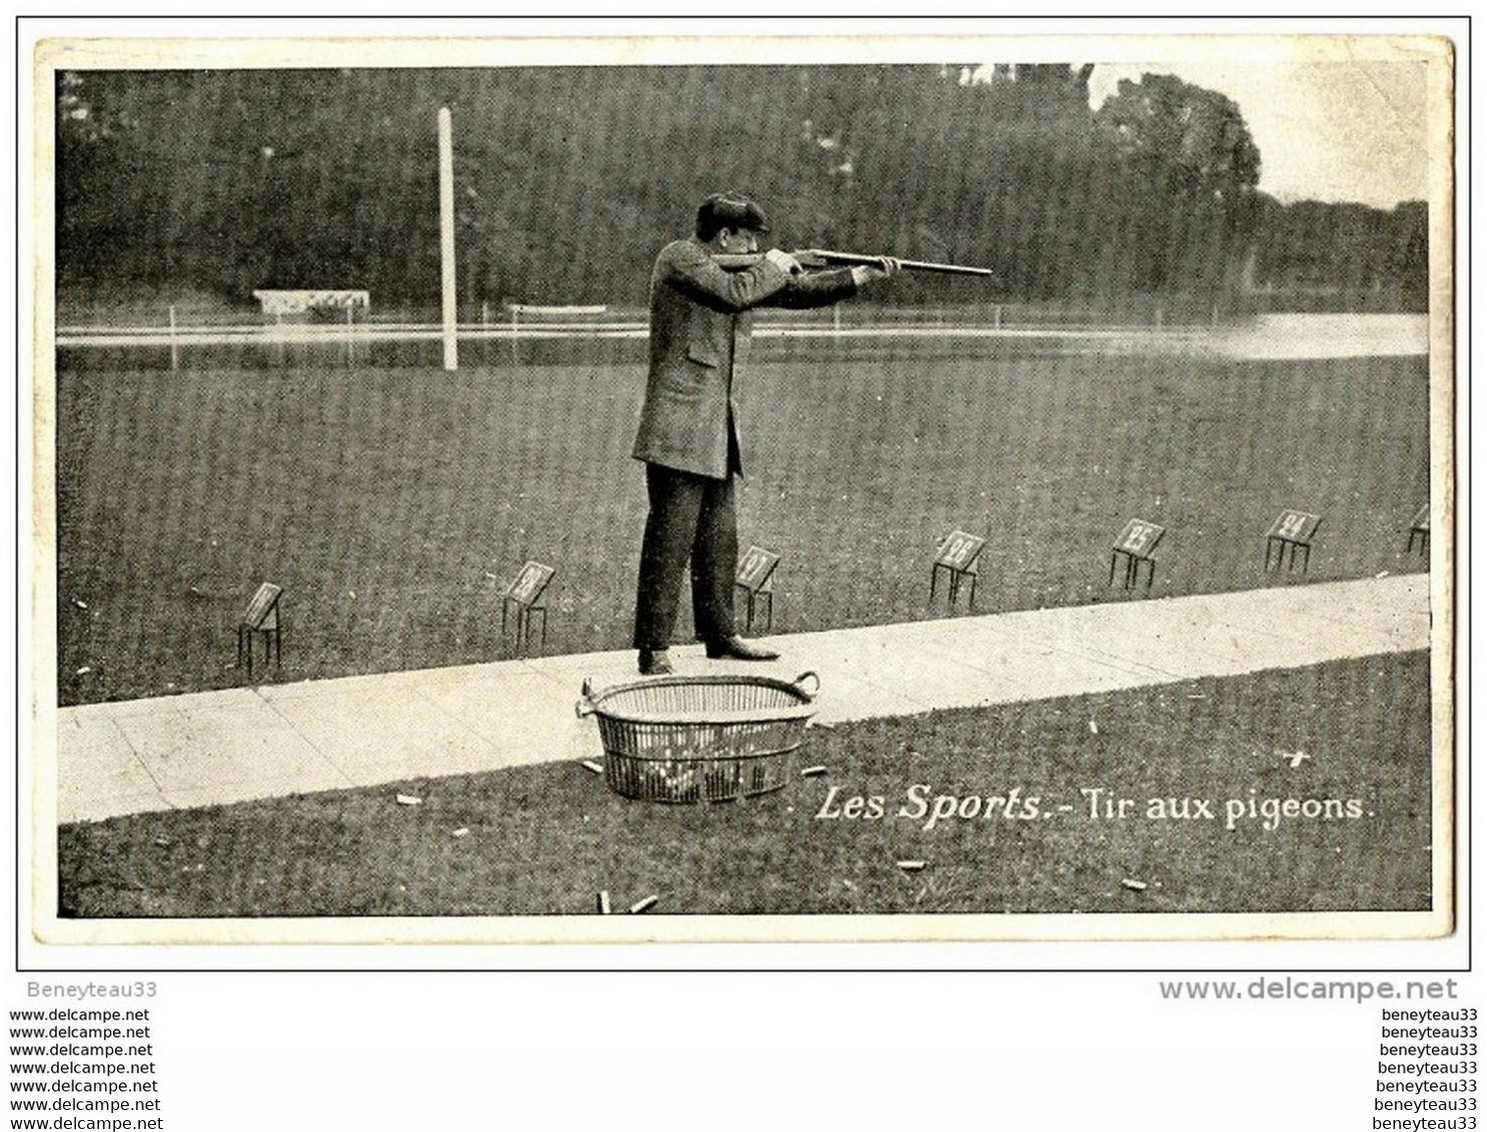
point(691, 517)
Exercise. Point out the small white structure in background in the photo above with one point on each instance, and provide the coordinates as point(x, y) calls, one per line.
point(299, 305)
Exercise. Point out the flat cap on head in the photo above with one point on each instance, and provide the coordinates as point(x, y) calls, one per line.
point(733, 211)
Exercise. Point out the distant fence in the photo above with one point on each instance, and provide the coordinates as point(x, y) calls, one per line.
point(539, 334)
point(873, 324)
point(531, 319)
point(76, 314)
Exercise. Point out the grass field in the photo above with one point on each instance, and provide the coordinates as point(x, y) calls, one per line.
point(546, 839)
point(395, 505)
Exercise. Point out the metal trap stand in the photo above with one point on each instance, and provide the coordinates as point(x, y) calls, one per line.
point(1136, 543)
point(261, 616)
point(956, 556)
point(1419, 529)
point(527, 595)
point(1292, 531)
point(754, 574)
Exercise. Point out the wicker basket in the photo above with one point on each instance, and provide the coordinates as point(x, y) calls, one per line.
point(688, 739)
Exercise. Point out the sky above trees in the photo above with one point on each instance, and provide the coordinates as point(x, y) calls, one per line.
point(1329, 131)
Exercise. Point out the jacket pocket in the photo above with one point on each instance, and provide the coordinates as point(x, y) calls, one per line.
point(702, 356)
point(680, 382)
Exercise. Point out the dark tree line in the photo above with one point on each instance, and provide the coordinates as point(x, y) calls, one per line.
point(567, 179)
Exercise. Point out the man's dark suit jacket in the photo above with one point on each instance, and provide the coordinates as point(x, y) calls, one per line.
point(700, 327)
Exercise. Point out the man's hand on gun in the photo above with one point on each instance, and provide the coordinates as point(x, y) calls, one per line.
point(886, 268)
point(784, 261)
point(793, 263)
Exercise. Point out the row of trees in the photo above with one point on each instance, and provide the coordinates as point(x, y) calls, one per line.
point(567, 180)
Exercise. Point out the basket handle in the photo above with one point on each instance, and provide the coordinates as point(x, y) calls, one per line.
point(815, 689)
point(585, 705)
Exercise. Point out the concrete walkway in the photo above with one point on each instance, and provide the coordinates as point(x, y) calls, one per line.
point(277, 739)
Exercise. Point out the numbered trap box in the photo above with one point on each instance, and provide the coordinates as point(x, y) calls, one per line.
point(525, 601)
point(1419, 531)
point(1291, 531)
point(264, 616)
point(755, 573)
point(1134, 548)
point(957, 556)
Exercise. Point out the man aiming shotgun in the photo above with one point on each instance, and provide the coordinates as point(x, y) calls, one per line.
point(703, 291)
point(701, 320)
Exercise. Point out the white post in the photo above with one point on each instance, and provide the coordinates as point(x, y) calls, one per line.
point(446, 235)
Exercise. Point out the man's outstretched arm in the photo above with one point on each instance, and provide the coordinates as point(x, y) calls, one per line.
point(690, 269)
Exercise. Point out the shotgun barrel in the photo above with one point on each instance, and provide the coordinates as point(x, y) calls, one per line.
point(822, 257)
point(850, 258)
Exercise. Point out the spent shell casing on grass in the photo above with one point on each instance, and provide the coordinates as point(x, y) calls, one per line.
point(409, 800)
point(812, 772)
point(1134, 885)
point(911, 866)
point(602, 901)
point(590, 764)
point(643, 905)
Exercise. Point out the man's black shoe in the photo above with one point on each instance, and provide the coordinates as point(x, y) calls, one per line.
point(736, 648)
point(655, 662)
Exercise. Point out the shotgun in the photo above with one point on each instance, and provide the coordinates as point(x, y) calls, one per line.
point(818, 257)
